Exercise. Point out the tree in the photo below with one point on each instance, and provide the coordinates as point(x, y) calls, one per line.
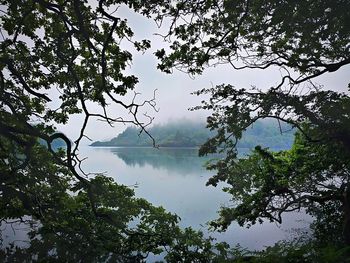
point(304, 39)
point(56, 59)
point(71, 50)
point(310, 36)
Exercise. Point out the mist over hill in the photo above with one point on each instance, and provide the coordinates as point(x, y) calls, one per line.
point(266, 133)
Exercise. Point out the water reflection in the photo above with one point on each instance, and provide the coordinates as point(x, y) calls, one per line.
point(182, 161)
point(175, 178)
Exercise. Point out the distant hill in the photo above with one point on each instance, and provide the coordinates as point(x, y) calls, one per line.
point(189, 134)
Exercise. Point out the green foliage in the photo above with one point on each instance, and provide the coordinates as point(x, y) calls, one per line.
point(301, 252)
point(72, 222)
point(308, 38)
point(57, 58)
point(267, 184)
point(311, 37)
point(75, 48)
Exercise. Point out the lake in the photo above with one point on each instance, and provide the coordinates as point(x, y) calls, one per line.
point(175, 179)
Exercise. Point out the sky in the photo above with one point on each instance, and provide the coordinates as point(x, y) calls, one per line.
point(173, 91)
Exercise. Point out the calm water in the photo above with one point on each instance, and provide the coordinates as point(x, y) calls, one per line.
point(175, 179)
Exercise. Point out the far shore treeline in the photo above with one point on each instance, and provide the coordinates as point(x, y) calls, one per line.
point(267, 133)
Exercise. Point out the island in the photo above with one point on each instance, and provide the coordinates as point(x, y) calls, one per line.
point(267, 133)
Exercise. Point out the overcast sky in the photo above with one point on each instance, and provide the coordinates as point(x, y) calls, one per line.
point(173, 91)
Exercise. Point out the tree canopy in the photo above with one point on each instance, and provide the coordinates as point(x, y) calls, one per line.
point(311, 37)
point(303, 39)
point(59, 57)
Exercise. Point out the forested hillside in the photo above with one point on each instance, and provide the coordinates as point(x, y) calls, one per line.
point(189, 134)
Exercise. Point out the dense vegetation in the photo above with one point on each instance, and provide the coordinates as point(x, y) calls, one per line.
point(190, 134)
point(59, 58)
point(303, 39)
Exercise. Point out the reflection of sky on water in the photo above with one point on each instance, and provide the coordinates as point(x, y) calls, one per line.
point(175, 179)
